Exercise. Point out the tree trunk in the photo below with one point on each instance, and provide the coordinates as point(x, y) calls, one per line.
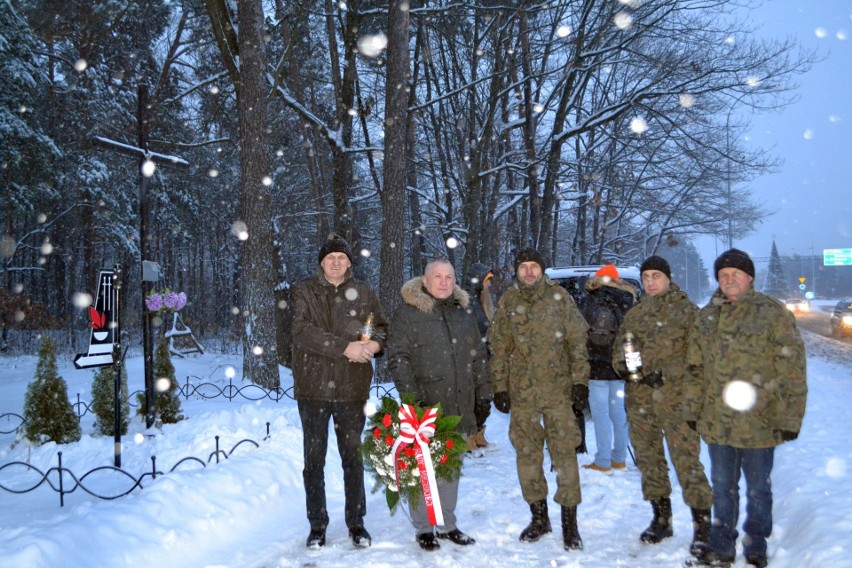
point(260, 360)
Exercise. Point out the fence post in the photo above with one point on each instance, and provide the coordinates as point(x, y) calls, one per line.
point(217, 449)
point(186, 393)
point(61, 487)
point(153, 467)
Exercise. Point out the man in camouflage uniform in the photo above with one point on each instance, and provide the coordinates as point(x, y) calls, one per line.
point(748, 392)
point(656, 407)
point(538, 368)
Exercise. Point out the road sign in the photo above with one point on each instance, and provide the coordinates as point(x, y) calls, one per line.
point(837, 257)
point(809, 295)
point(802, 286)
point(801, 279)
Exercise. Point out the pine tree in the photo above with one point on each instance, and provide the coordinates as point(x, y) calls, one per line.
point(48, 415)
point(103, 401)
point(168, 403)
point(775, 284)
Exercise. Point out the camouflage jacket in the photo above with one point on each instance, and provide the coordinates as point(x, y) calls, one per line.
point(538, 345)
point(661, 324)
point(435, 351)
point(754, 341)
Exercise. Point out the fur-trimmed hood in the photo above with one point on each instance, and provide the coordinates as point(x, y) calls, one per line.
point(414, 294)
point(595, 282)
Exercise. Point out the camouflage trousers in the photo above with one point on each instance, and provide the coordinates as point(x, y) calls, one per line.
point(529, 430)
point(649, 425)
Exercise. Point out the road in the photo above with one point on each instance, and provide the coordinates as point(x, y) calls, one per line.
point(819, 322)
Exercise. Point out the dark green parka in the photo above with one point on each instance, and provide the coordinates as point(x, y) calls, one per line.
point(435, 351)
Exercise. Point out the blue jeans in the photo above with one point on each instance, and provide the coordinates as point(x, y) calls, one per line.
point(606, 401)
point(726, 463)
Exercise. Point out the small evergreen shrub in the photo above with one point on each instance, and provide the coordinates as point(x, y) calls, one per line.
point(168, 403)
point(48, 414)
point(103, 401)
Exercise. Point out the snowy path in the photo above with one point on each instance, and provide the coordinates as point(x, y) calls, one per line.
point(248, 510)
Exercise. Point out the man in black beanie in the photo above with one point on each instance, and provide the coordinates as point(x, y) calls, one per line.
point(530, 373)
point(747, 392)
point(657, 263)
point(734, 258)
point(338, 328)
point(656, 411)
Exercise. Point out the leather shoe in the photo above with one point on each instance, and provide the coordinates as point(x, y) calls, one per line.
point(457, 537)
point(427, 541)
point(619, 465)
point(316, 539)
point(595, 467)
point(360, 537)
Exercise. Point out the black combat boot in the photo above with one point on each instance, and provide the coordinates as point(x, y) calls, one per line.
point(540, 523)
point(701, 533)
point(570, 534)
point(661, 525)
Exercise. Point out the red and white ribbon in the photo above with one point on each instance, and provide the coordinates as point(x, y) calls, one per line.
point(418, 432)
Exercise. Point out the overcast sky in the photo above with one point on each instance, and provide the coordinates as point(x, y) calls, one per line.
point(813, 189)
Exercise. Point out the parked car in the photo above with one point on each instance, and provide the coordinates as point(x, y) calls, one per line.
point(573, 278)
point(798, 305)
point(841, 318)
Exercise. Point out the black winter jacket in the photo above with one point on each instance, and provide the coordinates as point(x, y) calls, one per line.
point(617, 297)
point(435, 351)
point(325, 319)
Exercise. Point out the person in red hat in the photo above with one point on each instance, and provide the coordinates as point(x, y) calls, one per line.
point(606, 301)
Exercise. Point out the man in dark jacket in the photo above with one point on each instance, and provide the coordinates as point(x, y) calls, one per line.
point(338, 328)
point(435, 351)
point(539, 367)
point(657, 408)
point(747, 395)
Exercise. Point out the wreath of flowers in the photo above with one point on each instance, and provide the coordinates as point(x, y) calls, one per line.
point(445, 448)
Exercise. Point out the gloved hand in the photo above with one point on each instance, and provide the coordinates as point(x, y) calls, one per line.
point(788, 436)
point(481, 410)
point(692, 424)
point(579, 395)
point(653, 380)
point(502, 402)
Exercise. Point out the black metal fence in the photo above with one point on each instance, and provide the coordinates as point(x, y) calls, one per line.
point(55, 477)
point(64, 481)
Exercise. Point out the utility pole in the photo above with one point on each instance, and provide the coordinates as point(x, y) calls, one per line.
point(148, 162)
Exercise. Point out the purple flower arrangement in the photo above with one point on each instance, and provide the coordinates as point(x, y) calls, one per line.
point(157, 301)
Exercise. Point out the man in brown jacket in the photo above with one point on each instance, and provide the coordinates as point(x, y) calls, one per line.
point(338, 328)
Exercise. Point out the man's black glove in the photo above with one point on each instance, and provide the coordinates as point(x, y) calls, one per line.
point(481, 410)
point(579, 395)
point(653, 380)
point(788, 436)
point(502, 402)
point(692, 424)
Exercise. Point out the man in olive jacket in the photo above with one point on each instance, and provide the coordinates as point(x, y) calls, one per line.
point(657, 409)
point(332, 369)
point(539, 367)
point(748, 396)
point(435, 351)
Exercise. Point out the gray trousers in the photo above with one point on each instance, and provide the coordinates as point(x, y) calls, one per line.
point(448, 491)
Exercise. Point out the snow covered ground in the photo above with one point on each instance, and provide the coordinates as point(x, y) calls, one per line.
point(248, 510)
